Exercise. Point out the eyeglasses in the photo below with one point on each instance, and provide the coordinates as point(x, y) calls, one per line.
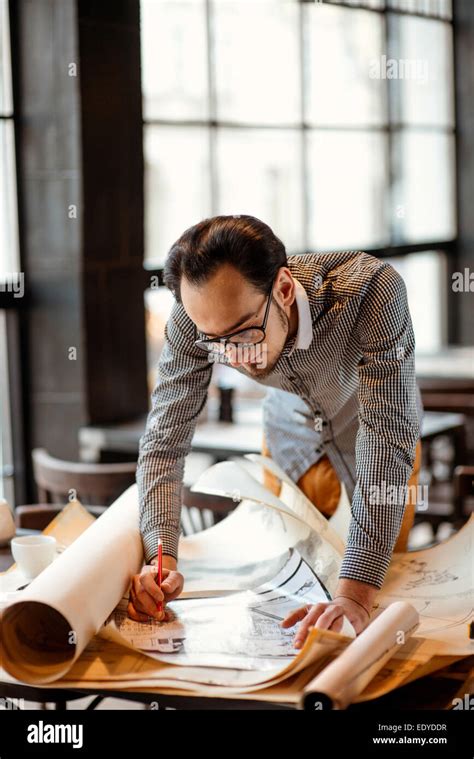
point(242, 337)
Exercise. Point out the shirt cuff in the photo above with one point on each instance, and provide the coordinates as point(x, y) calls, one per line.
point(364, 565)
point(169, 538)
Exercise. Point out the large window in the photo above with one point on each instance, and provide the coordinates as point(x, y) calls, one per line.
point(11, 285)
point(331, 121)
point(8, 203)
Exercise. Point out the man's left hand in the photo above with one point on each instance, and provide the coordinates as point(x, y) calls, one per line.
point(354, 600)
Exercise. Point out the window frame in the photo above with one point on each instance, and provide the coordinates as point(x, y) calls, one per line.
point(213, 124)
point(12, 473)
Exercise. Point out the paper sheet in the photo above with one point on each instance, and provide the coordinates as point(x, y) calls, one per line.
point(439, 583)
point(76, 593)
point(237, 556)
point(250, 545)
point(233, 479)
point(240, 631)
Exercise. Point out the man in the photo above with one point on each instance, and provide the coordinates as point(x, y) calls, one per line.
point(331, 335)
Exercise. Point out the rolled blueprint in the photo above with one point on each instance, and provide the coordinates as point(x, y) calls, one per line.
point(59, 612)
point(341, 681)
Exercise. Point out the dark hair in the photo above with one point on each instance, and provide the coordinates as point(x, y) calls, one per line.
point(243, 241)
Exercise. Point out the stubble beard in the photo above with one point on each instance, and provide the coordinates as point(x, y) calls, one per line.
point(262, 373)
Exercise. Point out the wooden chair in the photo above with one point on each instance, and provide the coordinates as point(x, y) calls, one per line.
point(463, 489)
point(201, 510)
point(454, 509)
point(95, 485)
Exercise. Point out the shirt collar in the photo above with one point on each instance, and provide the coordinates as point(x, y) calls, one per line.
point(304, 334)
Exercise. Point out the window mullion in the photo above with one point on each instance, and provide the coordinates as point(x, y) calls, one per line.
point(212, 102)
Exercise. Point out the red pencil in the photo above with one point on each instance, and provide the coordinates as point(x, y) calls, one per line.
point(160, 570)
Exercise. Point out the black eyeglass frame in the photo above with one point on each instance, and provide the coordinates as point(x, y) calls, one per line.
point(224, 339)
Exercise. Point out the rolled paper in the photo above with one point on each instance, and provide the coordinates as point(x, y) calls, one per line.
point(347, 676)
point(59, 612)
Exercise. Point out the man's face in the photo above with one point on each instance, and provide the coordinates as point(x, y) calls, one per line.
point(228, 302)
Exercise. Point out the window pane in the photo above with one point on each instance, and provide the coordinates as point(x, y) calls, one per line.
point(343, 44)
point(422, 62)
point(424, 189)
point(441, 8)
point(174, 59)
point(260, 174)
point(6, 450)
point(358, 3)
point(429, 312)
point(9, 261)
point(177, 190)
point(5, 69)
point(348, 184)
point(257, 61)
point(158, 304)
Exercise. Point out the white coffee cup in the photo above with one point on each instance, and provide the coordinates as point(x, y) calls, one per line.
point(33, 553)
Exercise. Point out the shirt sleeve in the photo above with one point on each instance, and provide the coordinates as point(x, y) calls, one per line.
point(184, 373)
point(388, 427)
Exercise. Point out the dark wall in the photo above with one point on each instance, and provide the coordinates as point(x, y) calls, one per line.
point(464, 67)
point(80, 176)
point(112, 176)
point(47, 108)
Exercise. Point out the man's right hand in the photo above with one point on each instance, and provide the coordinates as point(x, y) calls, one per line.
point(145, 593)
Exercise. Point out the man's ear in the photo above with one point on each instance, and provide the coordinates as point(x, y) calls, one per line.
point(284, 290)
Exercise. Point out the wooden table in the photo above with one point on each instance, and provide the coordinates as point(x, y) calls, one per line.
point(436, 691)
point(446, 379)
point(222, 440)
point(453, 364)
